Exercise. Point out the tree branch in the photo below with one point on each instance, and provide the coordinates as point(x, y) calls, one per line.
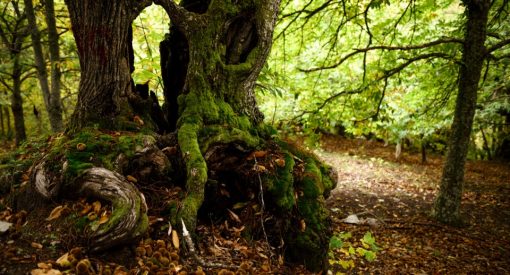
point(498, 45)
point(179, 16)
point(388, 48)
point(326, 101)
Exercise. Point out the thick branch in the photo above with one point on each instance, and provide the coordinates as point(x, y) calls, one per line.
point(179, 16)
point(382, 47)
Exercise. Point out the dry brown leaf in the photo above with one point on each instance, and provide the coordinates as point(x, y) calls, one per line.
point(175, 239)
point(138, 120)
point(63, 261)
point(81, 147)
point(280, 162)
point(55, 213)
point(96, 206)
point(92, 216)
point(104, 218)
point(36, 245)
point(233, 216)
point(302, 225)
point(86, 209)
point(40, 271)
point(44, 265)
point(259, 168)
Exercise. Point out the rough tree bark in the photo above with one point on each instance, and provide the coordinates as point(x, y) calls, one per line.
point(447, 204)
point(101, 31)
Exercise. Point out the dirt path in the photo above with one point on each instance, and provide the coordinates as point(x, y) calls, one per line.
point(399, 196)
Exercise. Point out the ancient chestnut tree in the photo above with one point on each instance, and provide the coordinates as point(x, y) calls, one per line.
point(208, 135)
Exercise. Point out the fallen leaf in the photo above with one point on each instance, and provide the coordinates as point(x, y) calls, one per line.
point(233, 216)
point(86, 209)
point(280, 162)
point(259, 168)
point(104, 218)
point(44, 265)
point(81, 147)
point(63, 261)
point(257, 154)
point(138, 120)
point(96, 206)
point(92, 216)
point(36, 245)
point(55, 213)
point(302, 225)
point(45, 272)
point(175, 239)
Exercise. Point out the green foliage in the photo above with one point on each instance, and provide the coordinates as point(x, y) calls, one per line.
point(363, 95)
point(344, 253)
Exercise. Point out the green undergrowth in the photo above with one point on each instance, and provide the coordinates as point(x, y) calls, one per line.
point(14, 163)
point(93, 148)
point(344, 252)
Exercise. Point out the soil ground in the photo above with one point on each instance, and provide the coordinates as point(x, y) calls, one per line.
point(396, 195)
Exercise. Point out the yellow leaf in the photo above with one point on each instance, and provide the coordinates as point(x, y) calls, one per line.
point(131, 179)
point(92, 216)
point(36, 245)
point(97, 206)
point(259, 168)
point(63, 261)
point(175, 239)
point(86, 209)
point(104, 218)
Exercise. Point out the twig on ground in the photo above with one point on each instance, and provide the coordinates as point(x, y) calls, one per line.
point(192, 251)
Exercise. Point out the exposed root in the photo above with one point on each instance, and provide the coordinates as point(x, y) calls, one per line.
point(129, 219)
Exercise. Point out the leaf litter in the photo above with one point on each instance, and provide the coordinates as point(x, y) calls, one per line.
point(376, 194)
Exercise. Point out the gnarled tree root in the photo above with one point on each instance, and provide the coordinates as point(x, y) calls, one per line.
point(129, 210)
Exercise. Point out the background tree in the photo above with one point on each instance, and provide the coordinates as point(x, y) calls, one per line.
point(13, 32)
point(51, 96)
point(382, 87)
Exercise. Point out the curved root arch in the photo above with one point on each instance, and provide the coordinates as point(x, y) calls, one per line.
point(129, 210)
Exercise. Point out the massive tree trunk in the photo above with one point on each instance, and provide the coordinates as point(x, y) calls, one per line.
point(447, 205)
point(211, 60)
point(101, 30)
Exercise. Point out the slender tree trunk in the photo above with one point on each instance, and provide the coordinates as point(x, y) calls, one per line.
point(17, 102)
point(101, 31)
point(55, 110)
point(40, 64)
point(8, 122)
point(447, 205)
point(2, 120)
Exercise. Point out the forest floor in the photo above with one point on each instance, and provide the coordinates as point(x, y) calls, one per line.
point(394, 195)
